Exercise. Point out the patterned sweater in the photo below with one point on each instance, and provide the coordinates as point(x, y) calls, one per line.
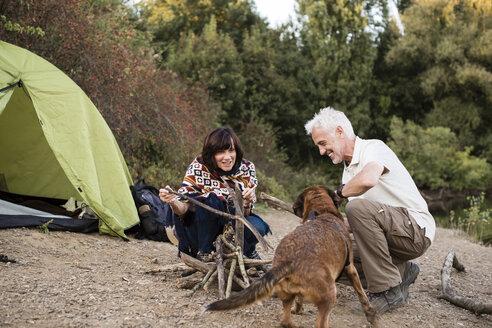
point(199, 181)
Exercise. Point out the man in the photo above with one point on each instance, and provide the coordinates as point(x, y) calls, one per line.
point(388, 217)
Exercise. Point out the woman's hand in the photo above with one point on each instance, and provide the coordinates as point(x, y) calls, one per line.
point(248, 196)
point(166, 196)
point(177, 206)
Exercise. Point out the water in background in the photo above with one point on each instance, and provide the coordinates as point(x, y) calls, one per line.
point(441, 212)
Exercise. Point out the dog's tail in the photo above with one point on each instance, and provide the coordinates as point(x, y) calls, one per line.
point(260, 289)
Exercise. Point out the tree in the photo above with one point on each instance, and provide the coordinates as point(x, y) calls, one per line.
point(445, 58)
point(336, 35)
point(169, 20)
point(212, 59)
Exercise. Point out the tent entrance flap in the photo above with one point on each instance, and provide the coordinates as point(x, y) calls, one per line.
point(30, 167)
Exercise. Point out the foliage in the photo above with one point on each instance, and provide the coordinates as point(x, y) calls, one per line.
point(434, 160)
point(156, 116)
point(169, 20)
point(337, 38)
point(212, 59)
point(10, 26)
point(275, 176)
point(444, 64)
point(475, 218)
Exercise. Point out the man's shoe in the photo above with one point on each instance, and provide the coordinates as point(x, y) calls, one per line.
point(387, 300)
point(409, 276)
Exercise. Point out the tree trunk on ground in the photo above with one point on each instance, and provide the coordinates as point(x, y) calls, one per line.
point(449, 294)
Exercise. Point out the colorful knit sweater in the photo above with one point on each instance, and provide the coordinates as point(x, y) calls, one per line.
point(199, 181)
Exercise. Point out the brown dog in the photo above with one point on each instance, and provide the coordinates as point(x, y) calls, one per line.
point(307, 262)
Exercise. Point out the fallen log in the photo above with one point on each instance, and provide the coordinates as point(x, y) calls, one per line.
point(448, 293)
point(197, 264)
point(169, 268)
point(276, 202)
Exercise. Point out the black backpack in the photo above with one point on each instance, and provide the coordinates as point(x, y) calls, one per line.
point(153, 222)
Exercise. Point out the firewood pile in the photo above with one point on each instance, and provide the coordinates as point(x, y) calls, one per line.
point(228, 258)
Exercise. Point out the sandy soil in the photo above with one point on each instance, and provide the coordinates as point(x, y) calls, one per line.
point(91, 280)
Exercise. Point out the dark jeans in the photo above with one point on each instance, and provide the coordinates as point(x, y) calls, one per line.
point(201, 234)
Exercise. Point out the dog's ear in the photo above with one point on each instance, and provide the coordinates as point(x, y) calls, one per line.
point(336, 200)
point(298, 205)
point(312, 215)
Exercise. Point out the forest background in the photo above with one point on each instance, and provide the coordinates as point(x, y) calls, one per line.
point(164, 72)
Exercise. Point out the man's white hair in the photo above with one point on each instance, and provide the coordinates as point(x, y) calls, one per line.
point(329, 118)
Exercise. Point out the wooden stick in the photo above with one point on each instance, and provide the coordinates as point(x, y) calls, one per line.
point(169, 268)
point(197, 264)
point(212, 278)
point(241, 266)
point(449, 294)
point(241, 283)
point(205, 279)
point(220, 267)
point(230, 255)
point(276, 202)
point(227, 243)
point(237, 199)
point(229, 279)
point(255, 232)
point(252, 262)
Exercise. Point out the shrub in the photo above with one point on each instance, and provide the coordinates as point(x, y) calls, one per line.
point(156, 117)
point(433, 159)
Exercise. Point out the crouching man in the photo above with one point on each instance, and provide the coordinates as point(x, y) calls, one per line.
point(388, 217)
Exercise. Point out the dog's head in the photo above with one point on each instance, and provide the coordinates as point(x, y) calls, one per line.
point(316, 200)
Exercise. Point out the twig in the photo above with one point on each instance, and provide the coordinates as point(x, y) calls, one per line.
point(241, 266)
point(231, 276)
point(220, 267)
point(202, 283)
point(227, 243)
point(212, 277)
point(237, 199)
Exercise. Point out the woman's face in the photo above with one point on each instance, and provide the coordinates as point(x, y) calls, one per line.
point(226, 159)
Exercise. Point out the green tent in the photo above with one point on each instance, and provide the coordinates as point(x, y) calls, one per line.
point(54, 143)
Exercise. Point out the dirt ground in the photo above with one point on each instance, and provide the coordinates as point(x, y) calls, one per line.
point(91, 280)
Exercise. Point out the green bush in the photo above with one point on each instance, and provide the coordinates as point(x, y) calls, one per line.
point(433, 159)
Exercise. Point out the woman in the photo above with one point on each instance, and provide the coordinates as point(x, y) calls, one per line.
point(221, 162)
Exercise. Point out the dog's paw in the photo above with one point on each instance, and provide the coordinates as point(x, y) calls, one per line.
point(297, 310)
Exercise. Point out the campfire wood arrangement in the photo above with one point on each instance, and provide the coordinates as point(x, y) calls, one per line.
point(228, 255)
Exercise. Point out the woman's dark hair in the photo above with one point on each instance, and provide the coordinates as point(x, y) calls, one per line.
point(218, 140)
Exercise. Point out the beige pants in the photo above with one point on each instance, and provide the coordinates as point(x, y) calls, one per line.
point(384, 238)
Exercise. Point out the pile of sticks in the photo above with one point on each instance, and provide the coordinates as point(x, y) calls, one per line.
point(230, 262)
point(228, 252)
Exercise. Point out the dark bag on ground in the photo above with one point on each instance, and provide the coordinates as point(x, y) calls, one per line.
point(154, 221)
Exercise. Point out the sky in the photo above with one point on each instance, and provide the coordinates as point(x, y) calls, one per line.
point(276, 11)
